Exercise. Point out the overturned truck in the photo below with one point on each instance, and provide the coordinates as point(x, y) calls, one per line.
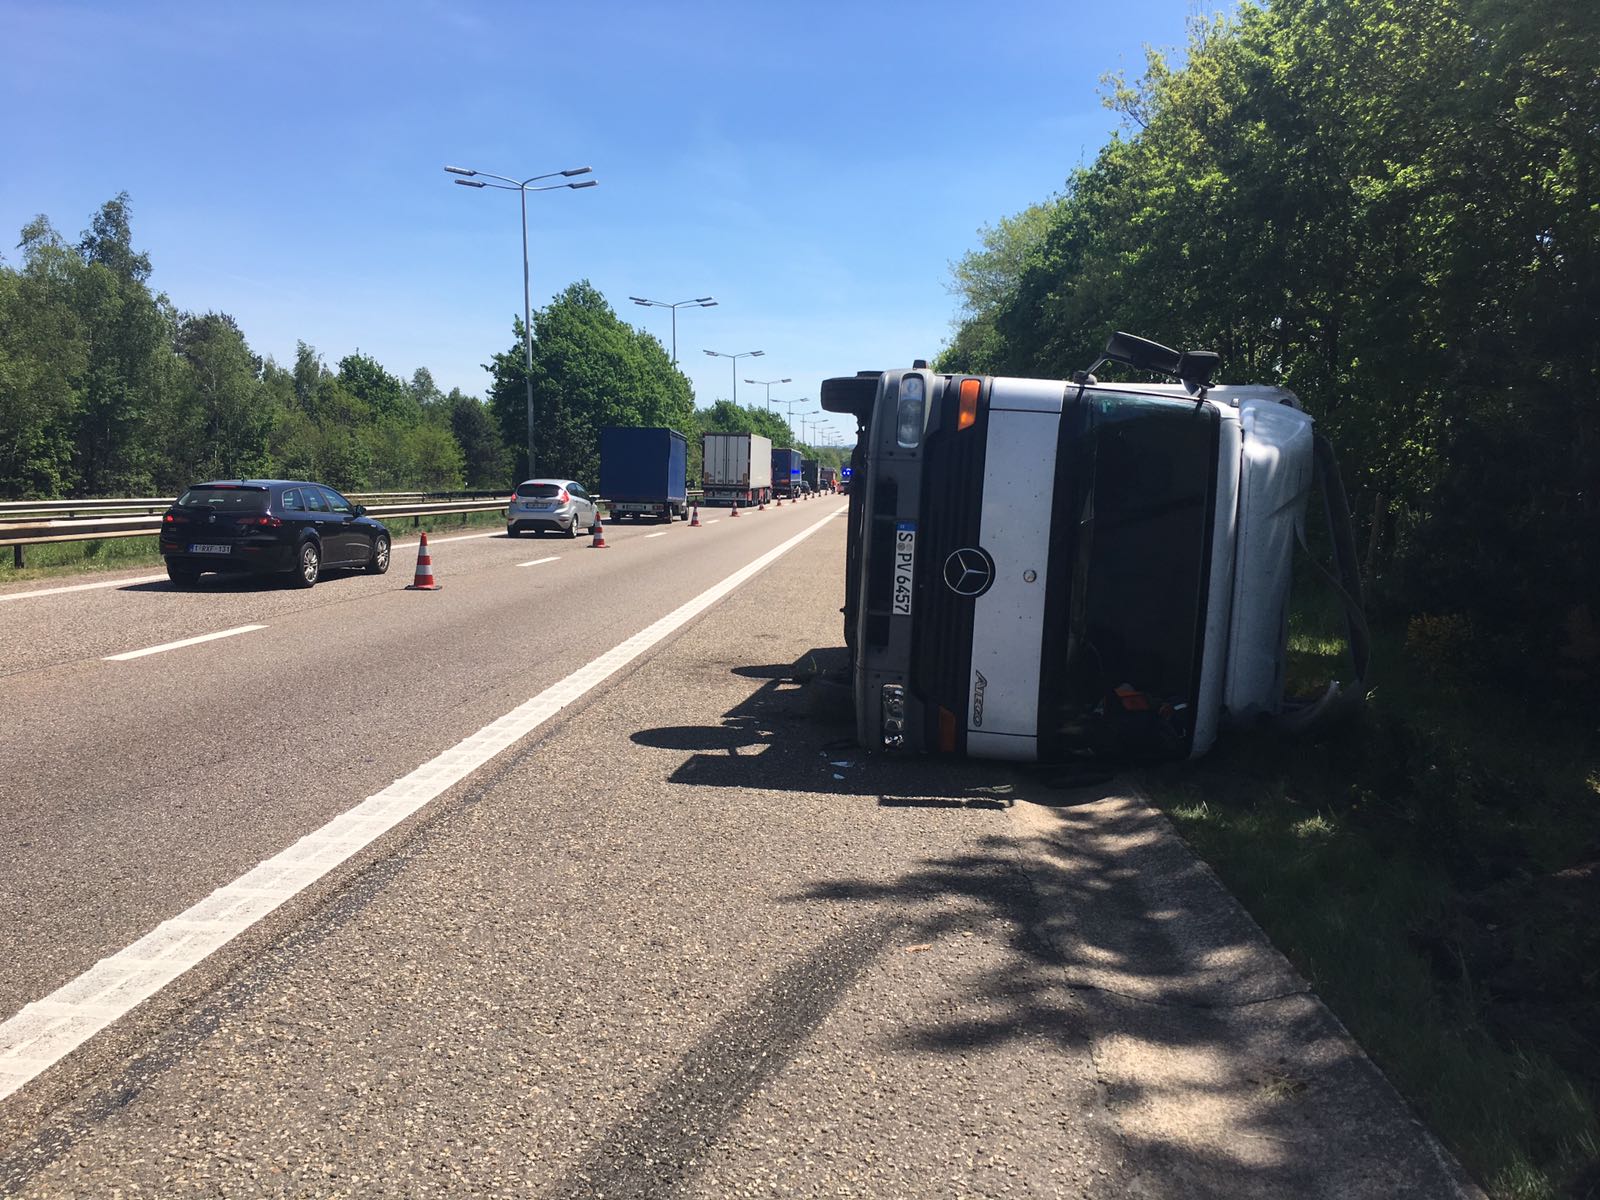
point(1054, 569)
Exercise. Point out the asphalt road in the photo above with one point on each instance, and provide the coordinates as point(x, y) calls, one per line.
point(683, 939)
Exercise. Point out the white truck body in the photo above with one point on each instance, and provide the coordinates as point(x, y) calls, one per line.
point(736, 466)
point(1050, 569)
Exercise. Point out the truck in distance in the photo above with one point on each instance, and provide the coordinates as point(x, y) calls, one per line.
point(644, 472)
point(785, 473)
point(736, 468)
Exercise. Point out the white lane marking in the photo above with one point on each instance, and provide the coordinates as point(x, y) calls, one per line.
point(194, 641)
point(537, 561)
point(47, 1030)
point(648, 536)
point(82, 587)
point(713, 521)
point(460, 537)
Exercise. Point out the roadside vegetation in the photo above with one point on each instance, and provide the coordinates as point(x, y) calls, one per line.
point(107, 390)
point(1390, 209)
point(1433, 869)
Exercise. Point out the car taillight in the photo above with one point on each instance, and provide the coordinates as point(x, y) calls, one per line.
point(169, 519)
point(565, 497)
point(263, 522)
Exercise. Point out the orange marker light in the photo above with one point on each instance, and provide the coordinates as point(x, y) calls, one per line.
point(969, 404)
point(947, 730)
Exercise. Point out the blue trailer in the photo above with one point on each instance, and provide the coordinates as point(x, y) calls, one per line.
point(644, 472)
point(786, 472)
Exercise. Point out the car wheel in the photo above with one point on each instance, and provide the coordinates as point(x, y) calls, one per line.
point(513, 531)
point(572, 530)
point(379, 563)
point(310, 565)
point(182, 576)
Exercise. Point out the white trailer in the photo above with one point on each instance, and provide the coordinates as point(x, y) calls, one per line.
point(736, 468)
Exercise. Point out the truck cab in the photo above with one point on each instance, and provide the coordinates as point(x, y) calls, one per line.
point(1051, 569)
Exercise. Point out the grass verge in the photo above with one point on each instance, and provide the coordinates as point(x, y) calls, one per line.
point(123, 554)
point(1434, 870)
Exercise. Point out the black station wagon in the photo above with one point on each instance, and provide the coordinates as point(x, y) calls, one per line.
point(269, 526)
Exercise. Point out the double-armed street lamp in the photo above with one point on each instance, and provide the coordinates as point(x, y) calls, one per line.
point(699, 301)
point(506, 184)
point(735, 364)
point(767, 383)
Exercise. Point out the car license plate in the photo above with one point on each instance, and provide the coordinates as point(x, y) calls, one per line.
point(208, 548)
point(905, 560)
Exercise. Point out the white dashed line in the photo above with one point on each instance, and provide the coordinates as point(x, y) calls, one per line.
point(48, 1029)
point(194, 641)
point(713, 521)
point(648, 536)
point(537, 561)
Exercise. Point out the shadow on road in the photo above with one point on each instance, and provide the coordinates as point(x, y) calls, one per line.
point(1221, 1075)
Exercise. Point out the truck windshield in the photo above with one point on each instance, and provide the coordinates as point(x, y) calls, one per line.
point(1135, 487)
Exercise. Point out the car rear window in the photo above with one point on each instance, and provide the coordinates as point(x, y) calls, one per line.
point(538, 489)
point(225, 499)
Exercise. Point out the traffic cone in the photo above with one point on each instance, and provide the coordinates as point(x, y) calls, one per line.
point(761, 504)
point(423, 582)
point(736, 508)
point(694, 517)
point(780, 502)
point(599, 542)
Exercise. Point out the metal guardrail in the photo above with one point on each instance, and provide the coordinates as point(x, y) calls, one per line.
point(40, 526)
point(26, 523)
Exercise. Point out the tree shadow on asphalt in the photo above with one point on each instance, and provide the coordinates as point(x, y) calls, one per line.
point(1218, 1072)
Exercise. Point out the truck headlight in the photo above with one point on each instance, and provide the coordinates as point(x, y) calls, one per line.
point(892, 706)
point(908, 417)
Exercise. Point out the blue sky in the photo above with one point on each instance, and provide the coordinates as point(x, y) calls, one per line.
point(815, 167)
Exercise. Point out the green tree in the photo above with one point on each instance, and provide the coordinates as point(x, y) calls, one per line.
point(43, 359)
point(222, 422)
point(129, 382)
point(486, 461)
point(589, 370)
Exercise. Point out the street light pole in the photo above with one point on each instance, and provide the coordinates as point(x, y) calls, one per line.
point(735, 365)
point(791, 404)
point(767, 383)
point(521, 187)
point(700, 301)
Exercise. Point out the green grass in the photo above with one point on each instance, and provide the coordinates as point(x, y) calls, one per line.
point(1424, 868)
point(122, 554)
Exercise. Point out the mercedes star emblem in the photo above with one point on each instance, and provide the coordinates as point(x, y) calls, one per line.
point(969, 571)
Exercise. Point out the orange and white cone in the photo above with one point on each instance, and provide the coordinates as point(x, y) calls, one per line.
point(736, 508)
point(423, 582)
point(599, 542)
point(694, 517)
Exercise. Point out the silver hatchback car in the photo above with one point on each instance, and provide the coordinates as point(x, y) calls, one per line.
point(558, 505)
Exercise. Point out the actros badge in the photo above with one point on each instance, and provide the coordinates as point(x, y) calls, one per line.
point(969, 571)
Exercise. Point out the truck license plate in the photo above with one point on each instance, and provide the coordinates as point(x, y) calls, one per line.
point(905, 559)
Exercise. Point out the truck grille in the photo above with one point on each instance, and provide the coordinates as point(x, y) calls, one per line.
point(952, 516)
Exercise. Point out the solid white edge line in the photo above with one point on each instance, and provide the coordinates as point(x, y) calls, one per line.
point(194, 641)
point(47, 1030)
point(82, 587)
point(537, 561)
